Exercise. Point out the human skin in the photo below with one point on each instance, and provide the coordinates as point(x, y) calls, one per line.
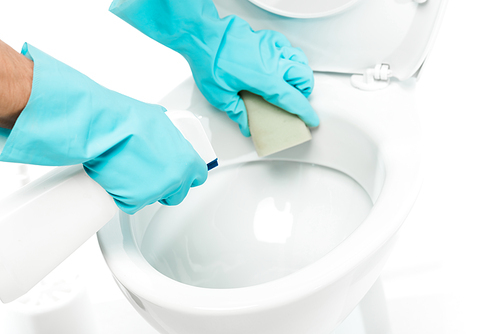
point(16, 76)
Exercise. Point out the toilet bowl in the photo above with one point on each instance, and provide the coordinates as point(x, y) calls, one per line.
point(292, 242)
point(286, 244)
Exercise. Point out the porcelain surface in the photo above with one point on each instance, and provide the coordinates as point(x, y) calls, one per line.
point(202, 268)
point(253, 223)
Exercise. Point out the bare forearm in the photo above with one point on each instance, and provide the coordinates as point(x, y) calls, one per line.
point(16, 76)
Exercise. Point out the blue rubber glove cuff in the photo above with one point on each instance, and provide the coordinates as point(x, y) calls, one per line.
point(130, 148)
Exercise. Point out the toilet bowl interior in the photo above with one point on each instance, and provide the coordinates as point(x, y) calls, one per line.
point(253, 223)
point(260, 220)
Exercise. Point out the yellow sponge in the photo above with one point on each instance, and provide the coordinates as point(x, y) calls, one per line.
point(272, 128)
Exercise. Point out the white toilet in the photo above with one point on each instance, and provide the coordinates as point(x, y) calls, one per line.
point(291, 243)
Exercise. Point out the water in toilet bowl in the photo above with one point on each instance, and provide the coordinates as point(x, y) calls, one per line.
point(254, 222)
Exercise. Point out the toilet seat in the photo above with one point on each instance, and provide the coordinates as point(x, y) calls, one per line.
point(397, 33)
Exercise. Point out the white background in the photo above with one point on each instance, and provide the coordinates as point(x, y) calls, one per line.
point(444, 274)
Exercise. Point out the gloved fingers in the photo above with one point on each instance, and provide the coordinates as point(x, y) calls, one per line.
point(294, 54)
point(292, 100)
point(194, 174)
point(226, 99)
point(129, 208)
point(275, 38)
point(174, 197)
point(201, 174)
point(177, 197)
point(299, 76)
point(125, 207)
point(236, 110)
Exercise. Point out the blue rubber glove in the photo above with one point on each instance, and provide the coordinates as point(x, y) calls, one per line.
point(130, 148)
point(226, 56)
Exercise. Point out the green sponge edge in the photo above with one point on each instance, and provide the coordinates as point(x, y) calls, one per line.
point(272, 128)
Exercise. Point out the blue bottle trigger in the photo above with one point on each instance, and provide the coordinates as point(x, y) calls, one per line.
point(212, 164)
point(192, 129)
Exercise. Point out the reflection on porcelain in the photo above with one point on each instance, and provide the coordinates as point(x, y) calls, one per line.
point(254, 222)
point(270, 224)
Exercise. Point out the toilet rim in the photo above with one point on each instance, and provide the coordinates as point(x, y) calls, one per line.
point(401, 161)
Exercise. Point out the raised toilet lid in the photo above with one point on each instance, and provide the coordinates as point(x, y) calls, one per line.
point(304, 9)
point(349, 36)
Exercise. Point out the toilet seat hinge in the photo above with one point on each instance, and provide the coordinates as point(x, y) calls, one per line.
point(373, 78)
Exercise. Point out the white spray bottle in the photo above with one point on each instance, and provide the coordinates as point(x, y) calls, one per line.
point(44, 222)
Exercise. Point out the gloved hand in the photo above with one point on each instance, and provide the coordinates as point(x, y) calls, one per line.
point(130, 148)
point(226, 56)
